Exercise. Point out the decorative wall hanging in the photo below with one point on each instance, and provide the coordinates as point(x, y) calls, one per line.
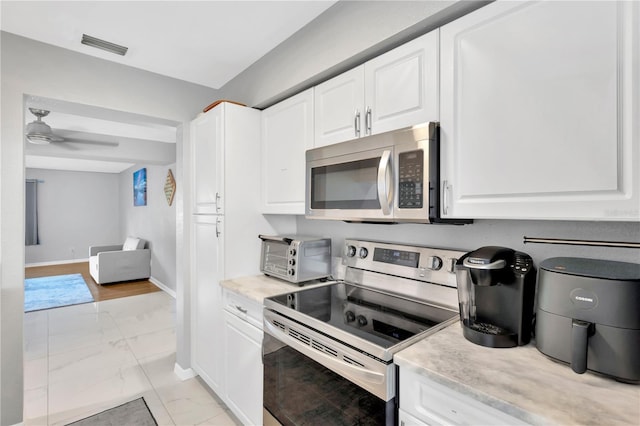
point(140, 187)
point(169, 187)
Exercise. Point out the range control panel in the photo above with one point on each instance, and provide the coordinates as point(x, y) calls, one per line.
point(430, 264)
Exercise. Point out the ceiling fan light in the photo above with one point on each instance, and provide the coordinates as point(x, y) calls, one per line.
point(39, 132)
point(38, 139)
point(38, 127)
point(104, 45)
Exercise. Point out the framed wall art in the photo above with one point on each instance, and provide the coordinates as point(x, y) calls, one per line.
point(169, 187)
point(140, 187)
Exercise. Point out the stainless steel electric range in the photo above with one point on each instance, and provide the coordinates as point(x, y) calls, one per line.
point(328, 350)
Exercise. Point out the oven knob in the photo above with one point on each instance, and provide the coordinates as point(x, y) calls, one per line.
point(350, 251)
point(292, 262)
point(363, 253)
point(434, 263)
point(292, 272)
point(362, 321)
point(349, 316)
point(292, 252)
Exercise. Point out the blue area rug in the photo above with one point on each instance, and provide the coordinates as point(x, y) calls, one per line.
point(55, 291)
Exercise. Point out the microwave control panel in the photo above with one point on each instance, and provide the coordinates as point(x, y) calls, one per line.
point(410, 179)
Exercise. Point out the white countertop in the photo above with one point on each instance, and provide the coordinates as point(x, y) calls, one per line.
point(259, 287)
point(522, 382)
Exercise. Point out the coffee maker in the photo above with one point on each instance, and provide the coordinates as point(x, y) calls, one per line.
point(496, 292)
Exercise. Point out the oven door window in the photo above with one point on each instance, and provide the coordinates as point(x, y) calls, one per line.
point(300, 391)
point(348, 186)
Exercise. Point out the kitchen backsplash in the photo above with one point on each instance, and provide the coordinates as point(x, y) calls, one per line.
point(507, 233)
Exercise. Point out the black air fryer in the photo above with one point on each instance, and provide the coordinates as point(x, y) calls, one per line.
point(588, 315)
point(496, 291)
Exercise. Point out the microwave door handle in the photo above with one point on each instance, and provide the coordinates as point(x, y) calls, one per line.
point(385, 185)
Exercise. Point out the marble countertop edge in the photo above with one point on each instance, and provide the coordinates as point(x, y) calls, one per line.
point(470, 391)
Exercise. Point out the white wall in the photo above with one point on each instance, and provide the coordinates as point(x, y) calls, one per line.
point(155, 222)
point(507, 233)
point(33, 68)
point(75, 210)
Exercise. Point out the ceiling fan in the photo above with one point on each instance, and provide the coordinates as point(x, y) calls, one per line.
point(39, 133)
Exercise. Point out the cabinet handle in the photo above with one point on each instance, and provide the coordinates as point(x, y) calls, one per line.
point(367, 121)
point(356, 123)
point(445, 198)
point(241, 309)
point(217, 228)
point(217, 201)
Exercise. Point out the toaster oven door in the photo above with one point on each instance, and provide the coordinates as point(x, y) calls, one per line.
point(274, 258)
point(352, 187)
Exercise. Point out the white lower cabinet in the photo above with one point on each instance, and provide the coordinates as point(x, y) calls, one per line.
point(243, 360)
point(406, 419)
point(426, 402)
point(207, 270)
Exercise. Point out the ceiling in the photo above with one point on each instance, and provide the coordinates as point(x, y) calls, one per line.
point(202, 42)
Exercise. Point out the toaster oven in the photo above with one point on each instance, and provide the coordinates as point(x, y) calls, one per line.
point(295, 258)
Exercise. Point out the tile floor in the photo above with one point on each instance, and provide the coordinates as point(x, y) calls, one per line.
point(84, 359)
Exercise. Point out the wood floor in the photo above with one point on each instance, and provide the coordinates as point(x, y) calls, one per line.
point(99, 292)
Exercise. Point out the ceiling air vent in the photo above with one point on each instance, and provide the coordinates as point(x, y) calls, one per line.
point(104, 45)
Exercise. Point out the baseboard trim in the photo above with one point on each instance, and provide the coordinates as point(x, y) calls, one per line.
point(183, 373)
point(56, 262)
point(163, 287)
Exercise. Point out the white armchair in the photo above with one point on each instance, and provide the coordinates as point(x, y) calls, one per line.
point(120, 262)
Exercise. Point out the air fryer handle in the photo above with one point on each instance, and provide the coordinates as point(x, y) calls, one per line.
point(580, 332)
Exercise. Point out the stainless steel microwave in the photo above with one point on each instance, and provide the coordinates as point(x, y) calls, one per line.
point(388, 177)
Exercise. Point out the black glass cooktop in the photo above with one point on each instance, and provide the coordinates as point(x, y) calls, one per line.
point(380, 318)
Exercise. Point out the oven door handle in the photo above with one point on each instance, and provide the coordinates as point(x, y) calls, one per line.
point(385, 183)
point(347, 370)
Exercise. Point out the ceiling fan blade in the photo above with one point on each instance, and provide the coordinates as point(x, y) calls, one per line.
point(89, 142)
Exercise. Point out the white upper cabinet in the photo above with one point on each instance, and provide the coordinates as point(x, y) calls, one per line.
point(402, 86)
point(539, 111)
point(339, 108)
point(287, 132)
point(207, 161)
point(394, 90)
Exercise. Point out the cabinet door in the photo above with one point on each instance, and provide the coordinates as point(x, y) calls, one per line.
point(539, 108)
point(339, 108)
point(243, 343)
point(406, 419)
point(434, 404)
point(287, 132)
point(207, 323)
point(207, 156)
point(401, 86)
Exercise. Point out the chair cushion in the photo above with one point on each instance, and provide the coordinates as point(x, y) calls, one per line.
point(133, 244)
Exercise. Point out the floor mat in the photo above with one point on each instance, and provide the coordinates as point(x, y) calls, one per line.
point(55, 291)
point(132, 413)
